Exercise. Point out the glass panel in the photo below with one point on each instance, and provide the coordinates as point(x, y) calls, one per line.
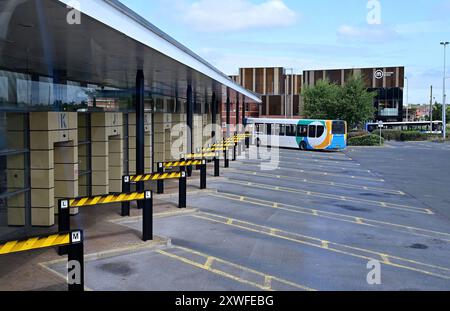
point(302, 130)
point(338, 128)
point(14, 173)
point(320, 130)
point(291, 130)
point(312, 131)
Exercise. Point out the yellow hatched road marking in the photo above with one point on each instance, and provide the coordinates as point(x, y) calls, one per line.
point(339, 217)
point(332, 246)
point(215, 271)
point(234, 265)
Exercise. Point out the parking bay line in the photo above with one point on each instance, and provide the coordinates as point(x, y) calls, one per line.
point(386, 259)
point(320, 166)
point(210, 265)
point(347, 164)
point(252, 163)
point(335, 156)
point(336, 216)
point(331, 196)
point(317, 182)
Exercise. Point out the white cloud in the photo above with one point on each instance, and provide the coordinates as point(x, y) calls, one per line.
point(367, 33)
point(235, 15)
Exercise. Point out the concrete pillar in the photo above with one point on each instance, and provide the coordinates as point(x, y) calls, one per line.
point(132, 143)
point(197, 132)
point(107, 153)
point(161, 126)
point(54, 157)
point(177, 120)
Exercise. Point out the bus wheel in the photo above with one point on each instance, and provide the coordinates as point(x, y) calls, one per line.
point(303, 146)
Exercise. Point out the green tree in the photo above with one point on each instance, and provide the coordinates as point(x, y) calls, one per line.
point(351, 102)
point(437, 113)
point(320, 100)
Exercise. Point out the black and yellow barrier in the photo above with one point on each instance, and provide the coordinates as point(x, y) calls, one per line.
point(196, 156)
point(159, 178)
point(64, 206)
point(73, 240)
point(184, 165)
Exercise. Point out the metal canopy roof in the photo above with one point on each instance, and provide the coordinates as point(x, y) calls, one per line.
point(108, 47)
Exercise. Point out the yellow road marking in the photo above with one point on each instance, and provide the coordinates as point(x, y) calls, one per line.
point(340, 217)
point(385, 258)
point(332, 196)
point(320, 166)
point(268, 282)
point(311, 172)
point(332, 246)
point(246, 269)
point(209, 262)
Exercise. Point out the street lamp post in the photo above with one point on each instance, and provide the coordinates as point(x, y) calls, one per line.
point(444, 94)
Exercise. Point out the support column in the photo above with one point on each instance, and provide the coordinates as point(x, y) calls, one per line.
point(50, 163)
point(189, 118)
point(214, 116)
point(237, 114)
point(228, 116)
point(243, 112)
point(160, 125)
point(140, 131)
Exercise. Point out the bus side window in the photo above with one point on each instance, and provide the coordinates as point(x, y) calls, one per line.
point(282, 130)
point(320, 130)
point(291, 131)
point(312, 131)
point(302, 130)
point(269, 129)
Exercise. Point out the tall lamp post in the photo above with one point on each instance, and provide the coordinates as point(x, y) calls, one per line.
point(444, 94)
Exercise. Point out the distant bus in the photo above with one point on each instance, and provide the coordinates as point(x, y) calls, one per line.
point(300, 134)
point(422, 126)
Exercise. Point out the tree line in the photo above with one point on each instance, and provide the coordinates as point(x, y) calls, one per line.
point(351, 102)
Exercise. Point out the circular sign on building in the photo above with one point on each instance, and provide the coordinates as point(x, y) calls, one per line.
point(379, 74)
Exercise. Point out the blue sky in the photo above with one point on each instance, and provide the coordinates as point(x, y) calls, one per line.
point(317, 34)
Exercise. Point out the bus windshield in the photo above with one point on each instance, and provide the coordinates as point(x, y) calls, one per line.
point(339, 127)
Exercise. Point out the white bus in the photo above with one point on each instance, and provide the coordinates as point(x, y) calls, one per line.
point(299, 134)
